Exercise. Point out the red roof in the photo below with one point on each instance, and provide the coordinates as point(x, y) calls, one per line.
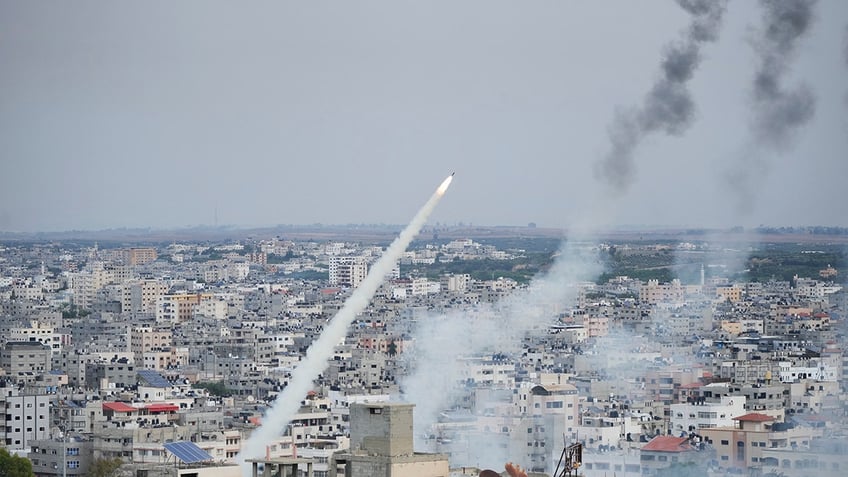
point(691, 386)
point(118, 407)
point(161, 407)
point(668, 444)
point(754, 417)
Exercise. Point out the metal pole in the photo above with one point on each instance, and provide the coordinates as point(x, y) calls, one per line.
point(64, 439)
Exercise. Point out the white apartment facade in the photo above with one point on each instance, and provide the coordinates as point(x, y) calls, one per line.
point(691, 417)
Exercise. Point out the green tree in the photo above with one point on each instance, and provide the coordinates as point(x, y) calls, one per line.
point(391, 349)
point(105, 467)
point(14, 466)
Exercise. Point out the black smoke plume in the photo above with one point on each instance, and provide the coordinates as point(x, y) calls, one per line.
point(668, 106)
point(845, 47)
point(845, 55)
point(780, 111)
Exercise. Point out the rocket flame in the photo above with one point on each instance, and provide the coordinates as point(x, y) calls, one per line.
point(444, 186)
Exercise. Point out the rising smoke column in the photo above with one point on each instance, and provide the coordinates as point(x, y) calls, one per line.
point(845, 46)
point(442, 341)
point(668, 106)
point(315, 362)
point(778, 111)
point(844, 56)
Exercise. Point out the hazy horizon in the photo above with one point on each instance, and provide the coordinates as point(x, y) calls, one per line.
point(169, 115)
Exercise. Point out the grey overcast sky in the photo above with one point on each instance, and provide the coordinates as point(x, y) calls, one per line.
point(157, 114)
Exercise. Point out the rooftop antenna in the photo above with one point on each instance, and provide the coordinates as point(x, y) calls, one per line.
point(569, 461)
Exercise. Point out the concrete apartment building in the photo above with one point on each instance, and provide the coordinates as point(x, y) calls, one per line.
point(19, 358)
point(654, 292)
point(115, 374)
point(455, 283)
point(544, 414)
point(731, 293)
point(137, 445)
point(145, 339)
point(71, 457)
point(381, 443)
point(140, 256)
point(762, 398)
point(76, 416)
point(87, 283)
point(163, 359)
point(216, 308)
point(706, 414)
point(26, 417)
point(608, 430)
point(745, 371)
point(664, 384)
point(826, 457)
point(140, 296)
point(742, 446)
point(38, 332)
point(347, 271)
point(72, 363)
point(179, 308)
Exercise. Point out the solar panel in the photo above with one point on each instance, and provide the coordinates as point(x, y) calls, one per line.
point(153, 378)
point(188, 452)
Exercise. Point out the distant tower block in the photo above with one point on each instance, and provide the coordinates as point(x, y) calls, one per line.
point(381, 444)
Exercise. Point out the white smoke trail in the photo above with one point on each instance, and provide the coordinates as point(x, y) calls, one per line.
point(442, 341)
point(315, 362)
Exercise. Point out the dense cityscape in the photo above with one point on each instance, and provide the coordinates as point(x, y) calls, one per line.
point(208, 266)
point(123, 355)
